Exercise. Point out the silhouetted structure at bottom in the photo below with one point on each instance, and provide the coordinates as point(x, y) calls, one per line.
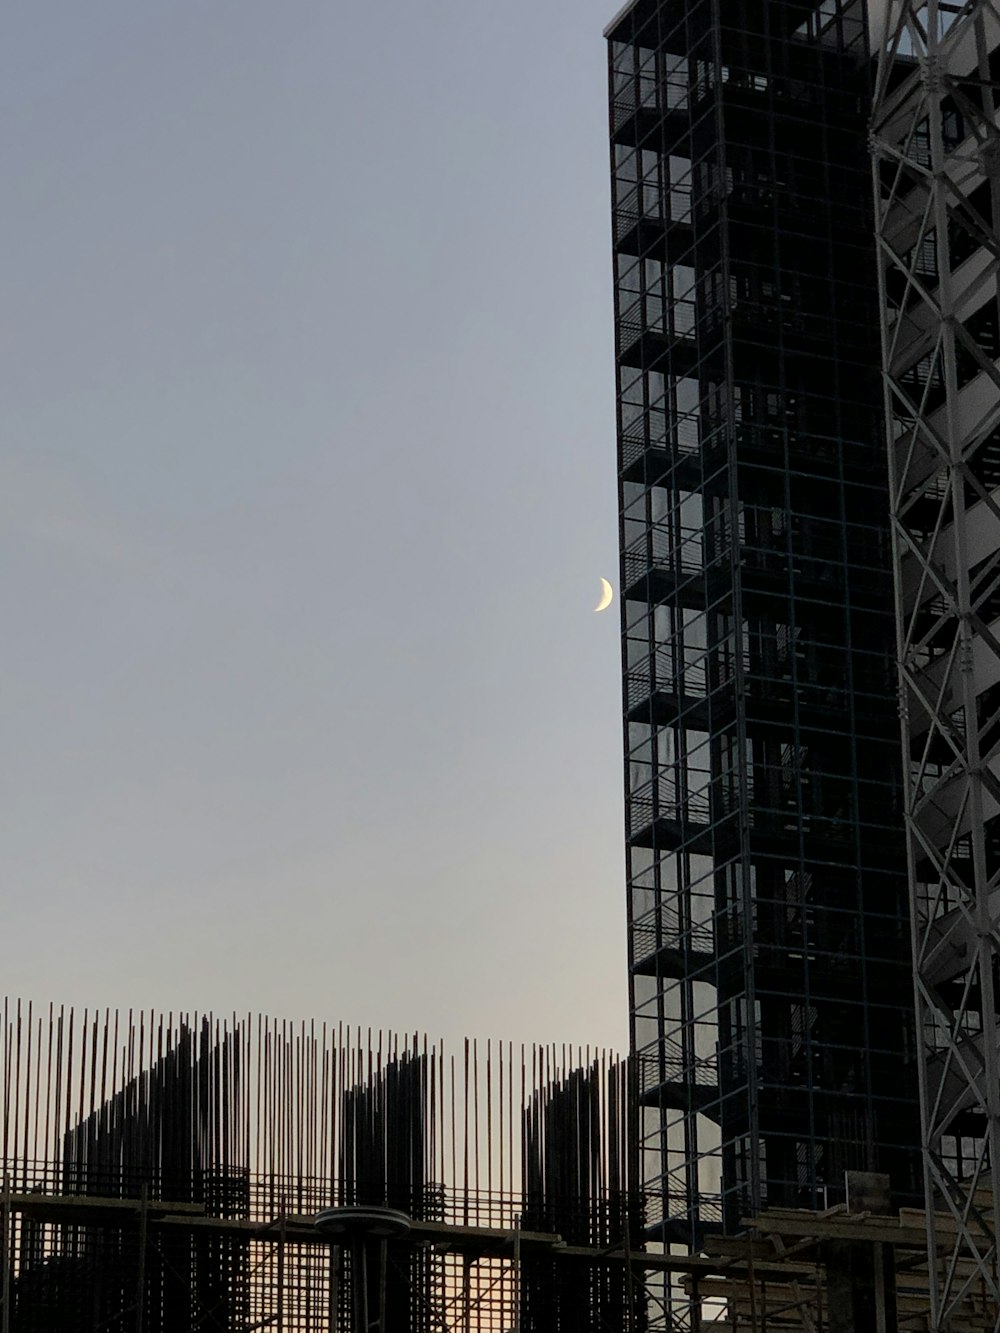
point(574, 1186)
point(383, 1163)
point(165, 1175)
point(160, 1137)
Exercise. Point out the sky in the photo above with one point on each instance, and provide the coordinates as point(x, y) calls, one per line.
point(307, 485)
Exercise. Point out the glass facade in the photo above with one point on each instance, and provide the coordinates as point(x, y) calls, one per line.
point(771, 982)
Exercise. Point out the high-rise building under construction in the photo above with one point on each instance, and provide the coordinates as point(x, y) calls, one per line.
point(772, 1010)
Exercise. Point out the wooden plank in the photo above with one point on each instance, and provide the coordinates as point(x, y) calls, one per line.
point(841, 1228)
point(67, 1207)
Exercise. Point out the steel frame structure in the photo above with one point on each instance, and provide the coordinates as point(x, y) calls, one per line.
point(768, 902)
point(785, 1273)
point(160, 1172)
point(936, 160)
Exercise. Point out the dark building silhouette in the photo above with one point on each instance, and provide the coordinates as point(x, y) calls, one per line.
point(383, 1161)
point(578, 1160)
point(165, 1136)
point(163, 1174)
point(772, 1004)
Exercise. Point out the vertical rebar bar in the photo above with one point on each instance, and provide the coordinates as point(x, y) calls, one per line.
point(140, 1274)
point(8, 1248)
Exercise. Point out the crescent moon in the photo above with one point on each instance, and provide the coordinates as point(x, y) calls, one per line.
point(606, 596)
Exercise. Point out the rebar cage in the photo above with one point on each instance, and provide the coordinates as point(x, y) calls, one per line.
point(163, 1173)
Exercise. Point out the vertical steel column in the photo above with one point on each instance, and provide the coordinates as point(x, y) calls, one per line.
point(359, 1282)
point(7, 1235)
point(140, 1268)
point(935, 143)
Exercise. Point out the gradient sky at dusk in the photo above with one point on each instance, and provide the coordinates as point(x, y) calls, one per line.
point(307, 485)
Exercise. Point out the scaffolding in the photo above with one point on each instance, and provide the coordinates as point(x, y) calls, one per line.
point(768, 903)
point(852, 1268)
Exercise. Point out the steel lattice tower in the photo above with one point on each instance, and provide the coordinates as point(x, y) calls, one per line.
point(936, 148)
